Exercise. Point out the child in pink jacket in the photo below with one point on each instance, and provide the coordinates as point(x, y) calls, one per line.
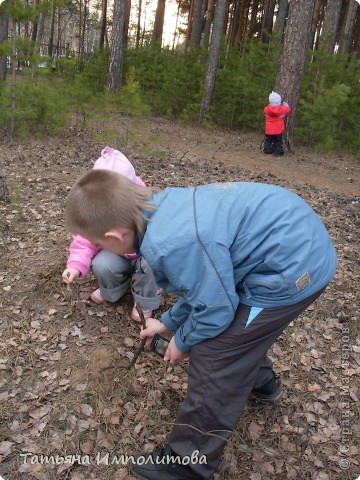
point(114, 273)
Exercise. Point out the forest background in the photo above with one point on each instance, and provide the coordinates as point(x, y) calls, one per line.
point(91, 59)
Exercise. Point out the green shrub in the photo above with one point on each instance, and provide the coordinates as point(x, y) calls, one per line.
point(39, 108)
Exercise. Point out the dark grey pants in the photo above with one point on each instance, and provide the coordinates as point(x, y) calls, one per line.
point(274, 144)
point(222, 373)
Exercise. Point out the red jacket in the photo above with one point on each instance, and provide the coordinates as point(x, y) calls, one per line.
point(275, 117)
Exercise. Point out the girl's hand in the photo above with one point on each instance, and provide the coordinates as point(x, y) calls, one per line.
point(153, 326)
point(173, 354)
point(70, 275)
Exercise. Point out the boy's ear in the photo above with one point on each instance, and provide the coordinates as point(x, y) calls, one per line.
point(115, 234)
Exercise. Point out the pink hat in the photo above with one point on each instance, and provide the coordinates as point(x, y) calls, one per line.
point(116, 162)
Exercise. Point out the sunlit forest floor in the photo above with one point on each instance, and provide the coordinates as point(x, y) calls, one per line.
point(63, 417)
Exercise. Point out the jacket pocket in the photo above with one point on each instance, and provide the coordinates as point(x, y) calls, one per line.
point(259, 285)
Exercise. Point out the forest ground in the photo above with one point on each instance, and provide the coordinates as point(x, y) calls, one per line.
point(56, 400)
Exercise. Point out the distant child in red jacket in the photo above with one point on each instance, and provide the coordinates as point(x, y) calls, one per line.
point(275, 114)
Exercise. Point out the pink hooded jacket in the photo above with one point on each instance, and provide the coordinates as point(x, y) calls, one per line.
point(81, 251)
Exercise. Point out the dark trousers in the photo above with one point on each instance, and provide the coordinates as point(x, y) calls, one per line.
point(222, 373)
point(274, 144)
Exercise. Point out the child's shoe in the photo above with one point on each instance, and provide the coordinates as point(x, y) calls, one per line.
point(135, 316)
point(271, 393)
point(96, 297)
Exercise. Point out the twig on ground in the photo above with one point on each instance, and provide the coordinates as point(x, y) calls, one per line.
point(138, 351)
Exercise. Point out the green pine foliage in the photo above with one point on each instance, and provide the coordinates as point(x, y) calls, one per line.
point(40, 108)
point(170, 80)
point(129, 99)
point(329, 107)
point(243, 85)
point(322, 116)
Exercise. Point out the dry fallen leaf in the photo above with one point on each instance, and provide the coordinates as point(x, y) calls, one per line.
point(40, 412)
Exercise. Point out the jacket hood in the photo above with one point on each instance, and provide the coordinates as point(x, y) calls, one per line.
point(272, 111)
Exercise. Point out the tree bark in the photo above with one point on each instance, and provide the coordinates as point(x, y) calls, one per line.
point(4, 32)
point(176, 26)
point(52, 29)
point(317, 16)
point(138, 25)
point(280, 23)
point(35, 24)
point(213, 61)
point(355, 41)
point(235, 22)
point(330, 26)
point(127, 20)
point(254, 26)
point(348, 27)
point(209, 17)
point(292, 61)
point(268, 20)
point(195, 36)
point(117, 47)
point(103, 24)
point(159, 21)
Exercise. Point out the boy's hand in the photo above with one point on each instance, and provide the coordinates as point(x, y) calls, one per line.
point(70, 275)
point(173, 354)
point(153, 326)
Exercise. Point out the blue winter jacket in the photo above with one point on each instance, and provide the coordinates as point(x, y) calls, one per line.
point(217, 245)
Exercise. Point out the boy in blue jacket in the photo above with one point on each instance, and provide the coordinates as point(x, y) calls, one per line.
point(245, 260)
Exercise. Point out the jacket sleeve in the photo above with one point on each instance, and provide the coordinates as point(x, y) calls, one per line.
point(176, 315)
point(81, 253)
point(285, 109)
point(205, 283)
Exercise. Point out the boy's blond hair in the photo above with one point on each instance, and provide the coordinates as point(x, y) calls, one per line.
point(101, 200)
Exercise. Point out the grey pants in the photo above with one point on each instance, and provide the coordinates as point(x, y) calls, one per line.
point(222, 373)
point(115, 274)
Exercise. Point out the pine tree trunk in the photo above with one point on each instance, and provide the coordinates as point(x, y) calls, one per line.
point(331, 22)
point(176, 26)
point(195, 36)
point(35, 24)
point(52, 29)
point(4, 31)
point(226, 19)
point(13, 79)
point(159, 21)
point(348, 28)
point(138, 25)
point(243, 25)
point(253, 27)
point(235, 22)
point(292, 61)
point(315, 22)
point(209, 17)
point(117, 47)
point(127, 20)
point(103, 24)
point(268, 19)
point(213, 61)
point(355, 41)
point(280, 23)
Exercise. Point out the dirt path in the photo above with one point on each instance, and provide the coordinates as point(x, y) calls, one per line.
point(336, 172)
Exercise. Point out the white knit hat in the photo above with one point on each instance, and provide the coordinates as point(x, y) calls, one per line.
point(274, 99)
point(115, 161)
